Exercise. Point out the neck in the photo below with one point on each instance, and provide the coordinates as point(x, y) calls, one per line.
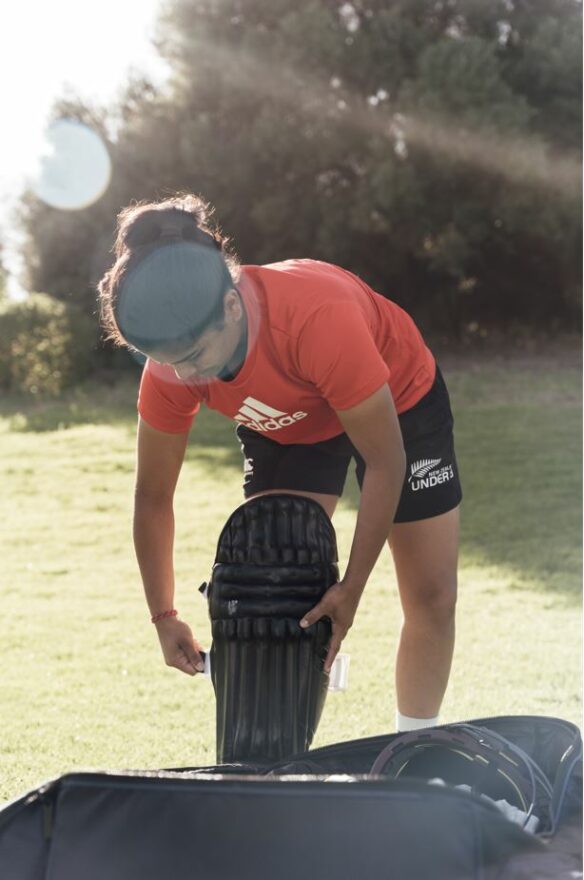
point(237, 360)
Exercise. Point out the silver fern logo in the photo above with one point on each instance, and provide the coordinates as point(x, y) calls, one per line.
point(425, 473)
point(424, 466)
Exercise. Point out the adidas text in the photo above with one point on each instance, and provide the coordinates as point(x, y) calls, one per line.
point(260, 417)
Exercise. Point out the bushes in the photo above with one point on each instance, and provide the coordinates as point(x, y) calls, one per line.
point(45, 345)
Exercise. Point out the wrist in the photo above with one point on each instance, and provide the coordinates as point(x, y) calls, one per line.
point(160, 616)
point(353, 585)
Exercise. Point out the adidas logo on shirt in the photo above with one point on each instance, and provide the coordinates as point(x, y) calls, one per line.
point(260, 417)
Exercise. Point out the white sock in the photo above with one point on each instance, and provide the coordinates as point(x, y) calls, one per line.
point(404, 722)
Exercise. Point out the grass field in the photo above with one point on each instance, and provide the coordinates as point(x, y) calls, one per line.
point(82, 679)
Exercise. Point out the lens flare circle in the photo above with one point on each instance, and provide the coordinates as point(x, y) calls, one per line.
point(74, 168)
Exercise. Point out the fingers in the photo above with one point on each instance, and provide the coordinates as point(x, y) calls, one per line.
point(194, 657)
point(182, 663)
point(334, 646)
point(179, 648)
point(313, 615)
point(333, 606)
point(188, 659)
point(339, 631)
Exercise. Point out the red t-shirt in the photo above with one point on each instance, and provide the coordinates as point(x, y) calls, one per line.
point(319, 340)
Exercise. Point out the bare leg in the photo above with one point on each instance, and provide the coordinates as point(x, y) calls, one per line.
point(425, 555)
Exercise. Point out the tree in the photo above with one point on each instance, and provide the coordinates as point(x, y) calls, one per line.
point(3, 278)
point(428, 145)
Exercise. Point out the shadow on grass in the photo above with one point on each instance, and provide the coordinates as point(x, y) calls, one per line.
point(521, 471)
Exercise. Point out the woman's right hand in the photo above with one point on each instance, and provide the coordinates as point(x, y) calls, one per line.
point(178, 646)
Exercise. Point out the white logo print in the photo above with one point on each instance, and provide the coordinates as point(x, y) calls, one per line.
point(421, 468)
point(260, 417)
point(425, 474)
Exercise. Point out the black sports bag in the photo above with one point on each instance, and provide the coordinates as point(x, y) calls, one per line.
point(335, 820)
point(533, 762)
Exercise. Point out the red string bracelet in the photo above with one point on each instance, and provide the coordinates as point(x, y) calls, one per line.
point(163, 615)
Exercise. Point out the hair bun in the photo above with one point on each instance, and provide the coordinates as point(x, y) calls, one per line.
point(156, 225)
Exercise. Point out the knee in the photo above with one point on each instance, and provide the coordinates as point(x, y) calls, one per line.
point(432, 601)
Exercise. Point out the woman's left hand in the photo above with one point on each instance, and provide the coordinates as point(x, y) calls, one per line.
point(340, 604)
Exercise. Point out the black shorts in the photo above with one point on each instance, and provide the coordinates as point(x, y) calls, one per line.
point(431, 485)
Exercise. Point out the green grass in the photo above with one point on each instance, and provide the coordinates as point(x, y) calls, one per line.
point(82, 679)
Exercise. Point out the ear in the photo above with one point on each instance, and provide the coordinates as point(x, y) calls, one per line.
point(233, 307)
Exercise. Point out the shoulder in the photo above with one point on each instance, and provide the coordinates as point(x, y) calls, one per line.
point(317, 275)
point(164, 401)
point(294, 290)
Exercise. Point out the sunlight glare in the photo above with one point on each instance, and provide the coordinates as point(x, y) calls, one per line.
point(74, 168)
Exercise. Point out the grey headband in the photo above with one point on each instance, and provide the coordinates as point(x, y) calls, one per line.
point(170, 294)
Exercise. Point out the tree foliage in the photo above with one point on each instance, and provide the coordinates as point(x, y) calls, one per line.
point(3, 278)
point(45, 345)
point(429, 145)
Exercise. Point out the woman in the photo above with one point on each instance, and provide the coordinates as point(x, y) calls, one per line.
point(316, 369)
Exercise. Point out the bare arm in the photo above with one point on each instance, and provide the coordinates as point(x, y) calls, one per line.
point(159, 461)
point(374, 429)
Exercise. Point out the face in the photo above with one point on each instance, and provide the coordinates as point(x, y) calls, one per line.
point(214, 350)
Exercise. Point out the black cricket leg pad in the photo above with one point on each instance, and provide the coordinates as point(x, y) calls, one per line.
point(276, 557)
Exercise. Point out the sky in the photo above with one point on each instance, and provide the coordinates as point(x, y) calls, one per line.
point(51, 45)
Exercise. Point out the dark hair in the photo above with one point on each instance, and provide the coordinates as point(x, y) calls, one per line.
point(144, 226)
